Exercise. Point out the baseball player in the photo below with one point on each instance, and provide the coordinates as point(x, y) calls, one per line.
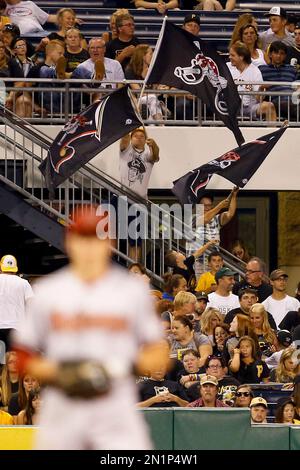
point(88, 325)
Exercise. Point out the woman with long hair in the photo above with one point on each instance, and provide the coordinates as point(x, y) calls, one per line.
point(249, 36)
point(210, 318)
point(9, 379)
point(240, 326)
point(29, 416)
point(19, 400)
point(288, 367)
point(267, 339)
point(285, 412)
point(113, 33)
point(220, 337)
point(246, 18)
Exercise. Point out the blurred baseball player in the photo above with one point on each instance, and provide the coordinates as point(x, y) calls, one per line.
point(88, 325)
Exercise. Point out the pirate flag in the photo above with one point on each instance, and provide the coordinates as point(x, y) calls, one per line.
point(184, 61)
point(87, 134)
point(237, 165)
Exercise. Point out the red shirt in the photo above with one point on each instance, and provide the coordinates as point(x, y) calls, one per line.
point(199, 404)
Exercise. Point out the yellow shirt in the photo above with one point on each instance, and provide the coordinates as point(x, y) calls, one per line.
point(205, 281)
point(3, 21)
point(5, 418)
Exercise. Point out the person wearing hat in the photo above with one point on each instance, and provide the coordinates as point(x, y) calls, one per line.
point(258, 410)
point(277, 32)
point(191, 23)
point(222, 298)
point(90, 316)
point(15, 293)
point(279, 303)
point(284, 340)
point(208, 393)
point(285, 411)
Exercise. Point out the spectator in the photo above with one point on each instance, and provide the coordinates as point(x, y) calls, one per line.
point(239, 250)
point(183, 337)
point(287, 369)
point(210, 318)
point(284, 340)
point(222, 298)
point(279, 71)
point(243, 70)
point(9, 33)
point(266, 336)
point(220, 337)
point(293, 52)
point(172, 285)
point(247, 297)
point(161, 6)
point(28, 16)
point(122, 47)
point(207, 281)
point(217, 5)
point(291, 320)
point(285, 412)
point(191, 23)
point(190, 361)
point(296, 396)
point(209, 392)
point(201, 304)
point(277, 19)
point(243, 396)
point(243, 20)
point(9, 383)
point(184, 304)
point(29, 416)
point(159, 392)
point(19, 48)
point(258, 410)
point(19, 400)
point(15, 293)
point(249, 36)
point(245, 365)
point(113, 34)
point(279, 303)
point(4, 20)
point(75, 54)
point(254, 275)
point(240, 326)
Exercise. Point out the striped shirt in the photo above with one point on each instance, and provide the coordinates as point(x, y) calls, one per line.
point(283, 73)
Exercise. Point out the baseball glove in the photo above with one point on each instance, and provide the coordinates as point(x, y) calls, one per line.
point(83, 379)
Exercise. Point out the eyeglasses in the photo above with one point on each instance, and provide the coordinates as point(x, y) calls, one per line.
point(243, 394)
point(250, 271)
point(20, 46)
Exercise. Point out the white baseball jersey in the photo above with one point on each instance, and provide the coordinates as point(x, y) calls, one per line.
point(135, 169)
point(14, 293)
point(106, 320)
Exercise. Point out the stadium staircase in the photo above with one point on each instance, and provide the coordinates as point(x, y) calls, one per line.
point(25, 200)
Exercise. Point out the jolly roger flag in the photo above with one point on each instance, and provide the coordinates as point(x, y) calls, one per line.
point(88, 133)
point(184, 61)
point(237, 165)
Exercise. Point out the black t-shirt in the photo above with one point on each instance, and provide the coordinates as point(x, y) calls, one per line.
point(263, 291)
point(252, 373)
point(114, 47)
point(232, 313)
point(13, 406)
point(290, 321)
point(74, 59)
point(152, 388)
point(34, 72)
point(14, 389)
point(226, 390)
point(12, 70)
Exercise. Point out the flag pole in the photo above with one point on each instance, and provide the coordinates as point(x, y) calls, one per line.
point(155, 53)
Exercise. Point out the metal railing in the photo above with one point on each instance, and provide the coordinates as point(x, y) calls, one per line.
point(24, 147)
point(55, 101)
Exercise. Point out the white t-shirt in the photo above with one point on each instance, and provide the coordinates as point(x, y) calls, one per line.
point(224, 304)
point(113, 71)
point(260, 59)
point(250, 74)
point(135, 169)
point(106, 320)
point(27, 15)
point(279, 308)
point(14, 292)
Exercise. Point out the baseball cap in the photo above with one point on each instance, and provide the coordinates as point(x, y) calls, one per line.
point(9, 264)
point(192, 18)
point(209, 379)
point(277, 11)
point(85, 220)
point(284, 337)
point(277, 273)
point(258, 401)
point(224, 272)
point(201, 295)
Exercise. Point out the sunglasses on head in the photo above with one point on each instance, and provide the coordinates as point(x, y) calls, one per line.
point(243, 394)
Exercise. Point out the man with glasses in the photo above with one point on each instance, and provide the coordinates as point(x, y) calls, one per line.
point(227, 385)
point(279, 303)
point(122, 47)
point(254, 279)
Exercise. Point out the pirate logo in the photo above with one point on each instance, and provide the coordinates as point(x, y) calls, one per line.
point(225, 160)
point(201, 67)
point(136, 170)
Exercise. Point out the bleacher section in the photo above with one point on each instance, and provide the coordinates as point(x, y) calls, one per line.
point(216, 27)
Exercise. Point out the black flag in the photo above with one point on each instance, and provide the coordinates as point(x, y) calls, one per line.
point(184, 61)
point(237, 165)
point(88, 133)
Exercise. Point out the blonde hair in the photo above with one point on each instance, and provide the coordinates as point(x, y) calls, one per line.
point(268, 333)
point(53, 45)
point(61, 12)
point(183, 298)
point(206, 317)
point(5, 380)
point(281, 373)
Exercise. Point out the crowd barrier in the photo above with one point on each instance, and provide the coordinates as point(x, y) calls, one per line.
point(190, 429)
